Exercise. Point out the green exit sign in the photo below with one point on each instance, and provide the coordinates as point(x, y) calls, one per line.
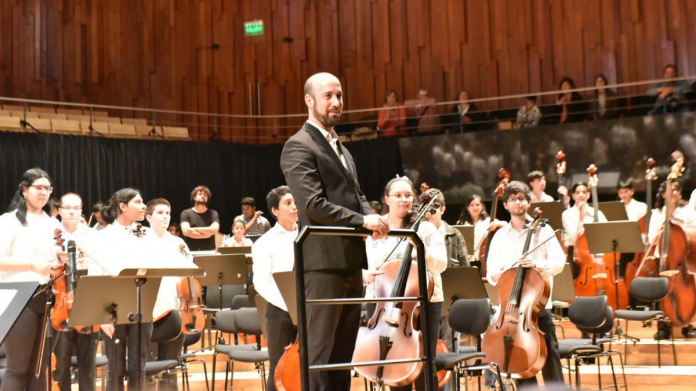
point(255, 27)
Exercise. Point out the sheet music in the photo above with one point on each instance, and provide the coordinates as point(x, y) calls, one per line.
point(6, 296)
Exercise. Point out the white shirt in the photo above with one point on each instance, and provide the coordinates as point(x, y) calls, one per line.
point(34, 241)
point(571, 220)
point(508, 244)
point(272, 253)
point(332, 140)
point(167, 296)
point(543, 198)
point(231, 242)
point(636, 209)
point(435, 256)
point(116, 247)
point(99, 227)
point(480, 230)
point(657, 219)
point(81, 235)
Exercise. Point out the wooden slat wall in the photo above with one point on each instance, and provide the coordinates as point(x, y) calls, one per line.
point(157, 53)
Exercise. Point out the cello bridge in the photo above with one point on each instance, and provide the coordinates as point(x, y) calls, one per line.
point(391, 321)
point(511, 319)
point(600, 275)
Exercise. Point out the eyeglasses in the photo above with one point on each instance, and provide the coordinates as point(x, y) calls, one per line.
point(75, 208)
point(406, 196)
point(47, 189)
point(520, 199)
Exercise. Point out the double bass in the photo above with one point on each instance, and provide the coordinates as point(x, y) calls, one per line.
point(643, 223)
point(597, 273)
point(514, 341)
point(481, 247)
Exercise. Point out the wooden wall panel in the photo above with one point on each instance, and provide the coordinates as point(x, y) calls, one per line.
point(158, 54)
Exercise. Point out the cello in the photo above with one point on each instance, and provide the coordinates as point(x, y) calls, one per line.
point(481, 247)
point(514, 340)
point(643, 223)
point(597, 273)
point(191, 306)
point(393, 331)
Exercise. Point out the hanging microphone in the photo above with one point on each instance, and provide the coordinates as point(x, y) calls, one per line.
point(72, 265)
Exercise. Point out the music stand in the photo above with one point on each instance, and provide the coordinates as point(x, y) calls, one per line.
point(14, 296)
point(615, 237)
point(461, 283)
point(553, 211)
point(467, 232)
point(563, 291)
point(288, 289)
point(613, 211)
point(261, 304)
point(235, 250)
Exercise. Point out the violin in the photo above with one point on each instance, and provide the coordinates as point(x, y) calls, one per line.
point(514, 340)
point(482, 247)
point(393, 331)
point(191, 305)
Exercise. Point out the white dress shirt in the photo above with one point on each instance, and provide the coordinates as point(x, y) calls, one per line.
point(543, 198)
point(508, 244)
point(273, 252)
point(636, 209)
point(34, 241)
point(657, 219)
point(116, 247)
point(167, 296)
point(571, 220)
point(480, 230)
point(82, 234)
point(332, 138)
point(435, 255)
point(232, 242)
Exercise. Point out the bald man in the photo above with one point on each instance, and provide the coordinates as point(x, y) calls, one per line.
point(322, 177)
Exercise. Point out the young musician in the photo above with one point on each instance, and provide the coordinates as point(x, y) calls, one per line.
point(28, 252)
point(124, 210)
point(96, 213)
point(84, 343)
point(537, 181)
point(474, 214)
point(634, 209)
point(398, 196)
point(454, 241)
point(572, 223)
point(685, 214)
point(506, 249)
point(200, 224)
point(158, 215)
point(237, 239)
point(272, 253)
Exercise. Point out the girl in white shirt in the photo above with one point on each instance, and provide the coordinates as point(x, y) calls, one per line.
point(28, 252)
point(571, 216)
point(398, 197)
point(474, 214)
point(238, 239)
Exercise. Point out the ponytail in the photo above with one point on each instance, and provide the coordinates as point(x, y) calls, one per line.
point(111, 211)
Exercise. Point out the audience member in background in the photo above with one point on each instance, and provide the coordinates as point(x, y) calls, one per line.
point(55, 207)
point(391, 120)
point(573, 108)
point(670, 94)
point(200, 224)
point(174, 229)
point(237, 239)
point(96, 213)
point(528, 116)
point(426, 115)
point(604, 103)
point(254, 223)
point(376, 207)
point(467, 114)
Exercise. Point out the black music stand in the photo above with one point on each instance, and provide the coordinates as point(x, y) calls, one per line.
point(14, 296)
point(615, 237)
point(221, 270)
point(553, 211)
point(613, 211)
point(235, 250)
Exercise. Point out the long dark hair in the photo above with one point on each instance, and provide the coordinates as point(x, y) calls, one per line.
point(387, 188)
point(575, 96)
point(18, 201)
point(660, 202)
point(111, 211)
point(466, 217)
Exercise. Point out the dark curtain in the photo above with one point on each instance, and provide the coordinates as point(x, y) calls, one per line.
point(96, 167)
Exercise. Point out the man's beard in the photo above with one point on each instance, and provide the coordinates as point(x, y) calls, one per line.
point(200, 203)
point(325, 119)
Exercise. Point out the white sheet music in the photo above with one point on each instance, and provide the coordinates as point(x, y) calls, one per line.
point(6, 296)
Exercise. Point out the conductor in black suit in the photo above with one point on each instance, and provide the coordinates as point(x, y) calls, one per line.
point(322, 177)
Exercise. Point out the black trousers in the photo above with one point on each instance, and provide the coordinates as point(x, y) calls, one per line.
point(434, 317)
point(333, 328)
point(280, 332)
point(22, 349)
point(170, 350)
point(552, 370)
point(85, 347)
point(124, 342)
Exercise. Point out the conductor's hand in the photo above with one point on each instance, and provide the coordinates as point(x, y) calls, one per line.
point(108, 329)
point(378, 225)
point(528, 263)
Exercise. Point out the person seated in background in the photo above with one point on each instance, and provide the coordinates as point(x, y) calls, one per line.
point(466, 116)
point(55, 207)
point(237, 239)
point(174, 229)
point(528, 116)
point(391, 121)
point(96, 213)
point(425, 113)
point(670, 94)
point(573, 108)
point(604, 103)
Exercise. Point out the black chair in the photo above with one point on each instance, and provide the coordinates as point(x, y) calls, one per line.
point(650, 290)
point(469, 317)
point(164, 330)
point(590, 315)
point(190, 358)
point(212, 306)
point(243, 320)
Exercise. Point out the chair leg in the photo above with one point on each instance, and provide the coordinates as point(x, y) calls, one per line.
point(205, 374)
point(231, 362)
point(577, 373)
point(214, 367)
point(599, 372)
point(626, 342)
point(227, 372)
point(674, 350)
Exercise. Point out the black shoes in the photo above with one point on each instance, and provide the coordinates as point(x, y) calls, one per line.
point(689, 332)
point(662, 334)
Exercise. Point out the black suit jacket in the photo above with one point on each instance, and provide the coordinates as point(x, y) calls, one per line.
point(326, 193)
